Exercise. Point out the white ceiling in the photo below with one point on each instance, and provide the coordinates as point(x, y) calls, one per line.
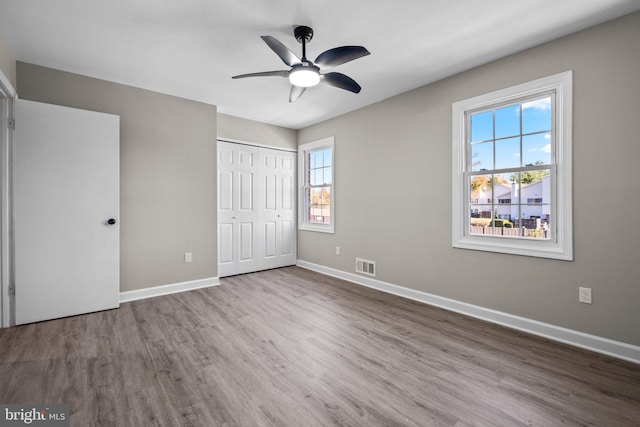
point(191, 48)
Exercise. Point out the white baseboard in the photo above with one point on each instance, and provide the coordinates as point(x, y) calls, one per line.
point(173, 288)
point(595, 343)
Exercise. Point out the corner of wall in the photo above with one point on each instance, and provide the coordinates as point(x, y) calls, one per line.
point(238, 129)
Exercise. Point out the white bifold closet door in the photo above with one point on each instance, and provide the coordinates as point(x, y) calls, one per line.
point(256, 208)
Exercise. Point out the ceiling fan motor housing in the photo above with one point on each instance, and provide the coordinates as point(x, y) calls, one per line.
point(302, 32)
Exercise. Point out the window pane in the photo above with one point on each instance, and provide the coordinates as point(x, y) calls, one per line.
point(326, 195)
point(480, 219)
point(316, 177)
point(319, 205)
point(535, 222)
point(326, 214)
point(536, 149)
point(482, 156)
point(480, 189)
point(316, 196)
point(536, 115)
point(482, 126)
point(514, 179)
point(530, 213)
point(315, 215)
point(327, 176)
point(501, 189)
point(327, 157)
point(508, 153)
point(535, 184)
point(508, 121)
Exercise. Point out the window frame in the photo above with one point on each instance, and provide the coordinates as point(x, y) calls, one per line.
point(560, 246)
point(303, 223)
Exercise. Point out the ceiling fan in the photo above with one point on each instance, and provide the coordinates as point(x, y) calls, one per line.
point(305, 73)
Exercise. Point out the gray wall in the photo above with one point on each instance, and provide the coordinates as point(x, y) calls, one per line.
point(7, 61)
point(167, 173)
point(393, 190)
point(238, 129)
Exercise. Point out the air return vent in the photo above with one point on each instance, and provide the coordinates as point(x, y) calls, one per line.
point(365, 267)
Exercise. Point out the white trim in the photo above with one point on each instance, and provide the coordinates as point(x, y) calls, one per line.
point(174, 288)
point(6, 88)
point(561, 247)
point(328, 142)
point(572, 337)
point(7, 95)
point(253, 144)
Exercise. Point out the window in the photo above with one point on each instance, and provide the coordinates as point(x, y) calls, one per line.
point(316, 211)
point(512, 170)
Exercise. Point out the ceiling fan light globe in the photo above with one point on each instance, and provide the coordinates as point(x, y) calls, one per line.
point(304, 77)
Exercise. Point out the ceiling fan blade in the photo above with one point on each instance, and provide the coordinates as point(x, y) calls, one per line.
point(263, 74)
point(296, 92)
point(281, 50)
point(339, 55)
point(341, 81)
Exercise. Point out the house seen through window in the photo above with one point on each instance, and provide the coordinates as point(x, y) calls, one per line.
point(511, 151)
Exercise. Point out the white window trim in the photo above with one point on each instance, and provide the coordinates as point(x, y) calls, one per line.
point(302, 155)
point(561, 244)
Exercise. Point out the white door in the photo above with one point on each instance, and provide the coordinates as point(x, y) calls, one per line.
point(66, 183)
point(237, 209)
point(256, 208)
point(278, 209)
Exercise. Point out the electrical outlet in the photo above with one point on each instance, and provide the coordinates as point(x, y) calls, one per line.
point(187, 257)
point(584, 295)
point(337, 250)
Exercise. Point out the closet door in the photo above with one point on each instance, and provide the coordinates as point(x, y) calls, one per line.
point(278, 208)
point(256, 208)
point(238, 229)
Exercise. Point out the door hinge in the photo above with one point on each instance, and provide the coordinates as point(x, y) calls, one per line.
point(12, 123)
point(12, 290)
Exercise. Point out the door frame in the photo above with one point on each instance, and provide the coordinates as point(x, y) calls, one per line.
point(7, 303)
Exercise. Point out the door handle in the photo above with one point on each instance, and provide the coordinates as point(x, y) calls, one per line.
point(234, 217)
point(111, 221)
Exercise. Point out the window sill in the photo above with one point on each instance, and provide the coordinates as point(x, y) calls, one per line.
point(320, 228)
point(535, 248)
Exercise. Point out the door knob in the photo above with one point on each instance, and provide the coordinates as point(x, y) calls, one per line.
point(111, 221)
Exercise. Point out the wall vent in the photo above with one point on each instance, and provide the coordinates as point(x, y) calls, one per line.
point(365, 267)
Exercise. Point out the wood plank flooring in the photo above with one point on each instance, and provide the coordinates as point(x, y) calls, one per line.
point(290, 347)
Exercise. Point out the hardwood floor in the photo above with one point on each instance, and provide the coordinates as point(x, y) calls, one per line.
point(291, 347)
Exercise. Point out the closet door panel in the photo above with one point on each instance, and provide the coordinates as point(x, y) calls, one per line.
point(238, 231)
point(269, 240)
point(256, 208)
point(225, 235)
